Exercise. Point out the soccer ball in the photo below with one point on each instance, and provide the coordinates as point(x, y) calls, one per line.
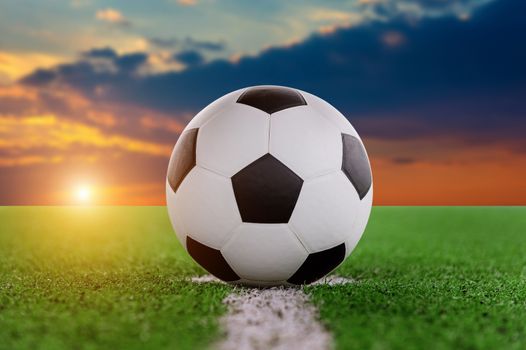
point(269, 185)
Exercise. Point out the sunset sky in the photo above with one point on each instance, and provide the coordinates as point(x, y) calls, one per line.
point(93, 94)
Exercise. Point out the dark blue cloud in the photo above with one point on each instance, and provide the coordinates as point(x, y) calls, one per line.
point(130, 62)
point(189, 58)
point(447, 75)
point(188, 43)
point(417, 8)
point(195, 44)
point(104, 52)
point(86, 75)
point(40, 77)
point(163, 42)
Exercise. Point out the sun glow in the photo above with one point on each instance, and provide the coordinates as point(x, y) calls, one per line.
point(83, 194)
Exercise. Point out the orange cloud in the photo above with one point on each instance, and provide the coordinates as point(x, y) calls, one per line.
point(28, 160)
point(111, 16)
point(324, 14)
point(164, 123)
point(333, 20)
point(16, 65)
point(102, 118)
point(17, 91)
point(393, 38)
point(24, 135)
point(187, 2)
point(371, 2)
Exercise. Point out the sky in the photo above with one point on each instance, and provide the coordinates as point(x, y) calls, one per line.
point(93, 94)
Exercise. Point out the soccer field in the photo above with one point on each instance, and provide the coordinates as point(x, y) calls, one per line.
point(116, 277)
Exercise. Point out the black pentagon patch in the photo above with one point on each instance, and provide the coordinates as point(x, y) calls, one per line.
point(271, 99)
point(318, 265)
point(183, 158)
point(211, 260)
point(266, 191)
point(355, 164)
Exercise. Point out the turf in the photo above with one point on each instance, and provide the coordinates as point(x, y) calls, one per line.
point(116, 278)
point(433, 278)
point(105, 278)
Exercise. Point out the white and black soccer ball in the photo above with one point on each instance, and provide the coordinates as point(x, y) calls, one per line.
point(269, 185)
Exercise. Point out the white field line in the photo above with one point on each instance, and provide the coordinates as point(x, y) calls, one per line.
point(206, 279)
point(272, 318)
point(333, 281)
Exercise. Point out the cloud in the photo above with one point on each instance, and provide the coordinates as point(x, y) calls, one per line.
point(187, 43)
point(130, 62)
point(191, 43)
point(98, 62)
point(187, 2)
point(40, 77)
point(20, 101)
point(160, 123)
point(335, 19)
point(418, 9)
point(189, 58)
point(371, 2)
point(28, 160)
point(446, 76)
point(103, 52)
point(66, 136)
point(15, 65)
point(112, 16)
point(163, 42)
point(393, 38)
point(21, 136)
point(324, 14)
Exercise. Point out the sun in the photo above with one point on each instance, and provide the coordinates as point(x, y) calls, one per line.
point(83, 193)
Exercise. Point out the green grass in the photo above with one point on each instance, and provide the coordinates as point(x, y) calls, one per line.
point(116, 278)
point(111, 278)
point(433, 278)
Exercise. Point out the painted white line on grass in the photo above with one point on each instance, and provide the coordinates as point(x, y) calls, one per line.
point(206, 279)
point(333, 281)
point(272, 318)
